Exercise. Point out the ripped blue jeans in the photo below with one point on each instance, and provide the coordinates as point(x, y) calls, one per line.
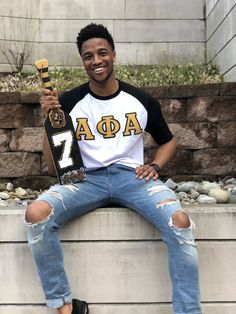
point(116, 184)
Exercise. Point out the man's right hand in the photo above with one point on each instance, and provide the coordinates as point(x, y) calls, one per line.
point(49, 100)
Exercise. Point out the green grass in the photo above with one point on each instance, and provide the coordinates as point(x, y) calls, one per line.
point(138, 75)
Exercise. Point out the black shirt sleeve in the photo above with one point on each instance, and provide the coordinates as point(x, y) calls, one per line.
point(70, 98)
point(156, 124)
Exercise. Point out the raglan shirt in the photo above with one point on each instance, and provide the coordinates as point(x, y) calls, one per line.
point(110, 129)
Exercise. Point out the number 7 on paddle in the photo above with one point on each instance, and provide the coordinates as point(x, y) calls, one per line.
point(61, 137)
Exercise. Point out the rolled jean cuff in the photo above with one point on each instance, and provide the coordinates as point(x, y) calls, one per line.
point(59, 302)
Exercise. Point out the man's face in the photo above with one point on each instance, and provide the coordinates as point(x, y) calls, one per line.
point(98, 58)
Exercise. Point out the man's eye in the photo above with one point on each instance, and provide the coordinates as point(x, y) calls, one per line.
point(87, 57)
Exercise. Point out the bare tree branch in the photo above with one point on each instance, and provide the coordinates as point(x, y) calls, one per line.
point(16, 46)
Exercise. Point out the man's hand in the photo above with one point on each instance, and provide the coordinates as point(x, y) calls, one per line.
point(163, 154)
point(146, 171)
point(49, 100)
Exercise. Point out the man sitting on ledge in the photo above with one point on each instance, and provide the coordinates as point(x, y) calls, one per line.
point(110, 117)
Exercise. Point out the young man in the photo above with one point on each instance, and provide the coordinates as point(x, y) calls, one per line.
point(109, 118)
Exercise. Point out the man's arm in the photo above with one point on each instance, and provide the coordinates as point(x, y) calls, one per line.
point(163, 154)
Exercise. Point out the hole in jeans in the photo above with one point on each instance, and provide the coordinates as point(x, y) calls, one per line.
point(38, 211)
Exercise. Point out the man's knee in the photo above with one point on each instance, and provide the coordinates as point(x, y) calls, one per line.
point(181, 219)
point(37, 211)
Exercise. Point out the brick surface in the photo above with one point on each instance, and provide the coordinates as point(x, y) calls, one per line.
point(27, 139)
point(174, 110)
point(29, 97)
point(227, 134)
point(17, 116)
point(155, 92)
point(203, 126)
point(181, 163)
point(149, 141)
point(4, 140)
point(195, 135)
point(36, 182)
point(9, 98)
point(214, 109)
point(215, 161)
point(14, 165)
point(228, 89)
point(44, 168)
point(180, 91)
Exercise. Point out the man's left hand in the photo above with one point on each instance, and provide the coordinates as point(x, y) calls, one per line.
point(147, 172)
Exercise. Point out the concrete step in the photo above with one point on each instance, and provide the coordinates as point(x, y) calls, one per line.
point(116, 261)
point(212, 222)
point(219, 308)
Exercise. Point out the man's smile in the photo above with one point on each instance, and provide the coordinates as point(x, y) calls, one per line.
point(99, 70)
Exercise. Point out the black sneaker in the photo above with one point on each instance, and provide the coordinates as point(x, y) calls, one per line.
point(79, 307)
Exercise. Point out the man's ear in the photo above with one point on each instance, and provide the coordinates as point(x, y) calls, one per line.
point(114, 56)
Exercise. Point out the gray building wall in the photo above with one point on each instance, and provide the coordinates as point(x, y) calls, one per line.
point(145, 32)
point(19, 30)
point(221, 36)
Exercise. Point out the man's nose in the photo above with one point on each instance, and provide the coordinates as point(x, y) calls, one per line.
point(96, 59)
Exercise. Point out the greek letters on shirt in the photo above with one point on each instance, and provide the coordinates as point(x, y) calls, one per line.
point(108, 127)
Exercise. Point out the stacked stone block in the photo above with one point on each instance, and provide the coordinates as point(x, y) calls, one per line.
point(202, 118)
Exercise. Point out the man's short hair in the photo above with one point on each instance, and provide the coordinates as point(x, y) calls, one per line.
point(94, 31)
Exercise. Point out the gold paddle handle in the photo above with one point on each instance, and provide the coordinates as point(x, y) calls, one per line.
point(42, 67)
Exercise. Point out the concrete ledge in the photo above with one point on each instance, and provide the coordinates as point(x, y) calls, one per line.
point(219, 308)
point(117, 262)
point(212, 222)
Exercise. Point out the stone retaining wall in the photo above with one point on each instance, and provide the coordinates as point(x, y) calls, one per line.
point(203, 119)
